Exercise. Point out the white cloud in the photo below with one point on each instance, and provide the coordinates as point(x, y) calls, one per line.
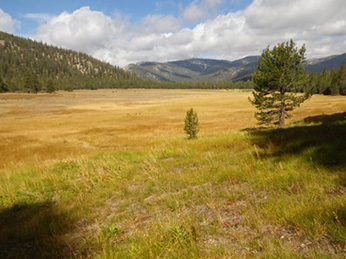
point(305, 21)
point(320, 24)
point(159, 24)
point(7, 23)
point(199, 10)
point(39, 17)
point(83, 30)
point(194, 13)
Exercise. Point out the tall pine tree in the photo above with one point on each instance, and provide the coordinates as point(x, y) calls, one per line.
point(279, 78)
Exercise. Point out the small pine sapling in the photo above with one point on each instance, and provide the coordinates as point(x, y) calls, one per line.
point(191, 123)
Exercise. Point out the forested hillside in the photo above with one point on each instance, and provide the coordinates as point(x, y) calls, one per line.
point(26, 65)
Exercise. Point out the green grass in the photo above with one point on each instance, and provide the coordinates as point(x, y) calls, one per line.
point(258, 193)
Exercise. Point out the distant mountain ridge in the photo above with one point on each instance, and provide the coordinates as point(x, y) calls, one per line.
point(329, 63)
point(213, 70)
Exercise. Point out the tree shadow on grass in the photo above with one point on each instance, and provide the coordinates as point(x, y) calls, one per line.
point(321, 140)
point(33, 231)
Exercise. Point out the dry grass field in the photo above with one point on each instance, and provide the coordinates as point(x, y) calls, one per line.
point(111, 174)
point(36, 128)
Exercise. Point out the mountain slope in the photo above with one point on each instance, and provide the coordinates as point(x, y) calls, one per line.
point(329, 63)
point(194, 70)
point(211, 70)
point(19, 56)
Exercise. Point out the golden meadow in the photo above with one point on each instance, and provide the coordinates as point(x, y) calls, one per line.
point(111, 174)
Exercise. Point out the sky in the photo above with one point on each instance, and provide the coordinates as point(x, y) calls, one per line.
point(129, 31)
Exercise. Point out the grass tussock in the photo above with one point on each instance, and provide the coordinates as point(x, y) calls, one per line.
point(254, 193)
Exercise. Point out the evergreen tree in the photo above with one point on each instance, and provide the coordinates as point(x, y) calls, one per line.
point(313, 83)
point(335, 82)
point(342, 79)
point(50, 86)
point(325, 82)
point(279, 76)
point(31, 83)
point(3, 86)
point(191, 123)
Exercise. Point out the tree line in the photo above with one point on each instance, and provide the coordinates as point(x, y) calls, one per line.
point(329, 82)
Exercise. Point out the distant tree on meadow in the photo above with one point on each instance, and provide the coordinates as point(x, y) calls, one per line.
point(50, 86)
point(3, 86)
point(339, 80)
point(191, 123)
point(31, 83)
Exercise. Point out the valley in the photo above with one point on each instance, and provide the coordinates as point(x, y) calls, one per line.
point(111, 174)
